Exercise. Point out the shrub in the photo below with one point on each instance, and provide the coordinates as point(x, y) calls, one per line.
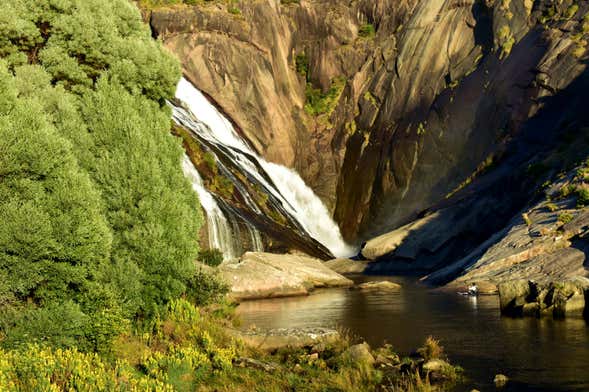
point(318, 103)
point(302, 64)
point(53, 237)
point(232, 8)
point(205, 288)
point(431, 349)
point(212, 257)
point(582, 196)
point(366, 31)
point(551, 207)
point(565, 217)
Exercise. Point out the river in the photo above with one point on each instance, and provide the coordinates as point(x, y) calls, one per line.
point(536, 354)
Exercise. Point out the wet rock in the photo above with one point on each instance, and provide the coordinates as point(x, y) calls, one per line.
point(379, 286)
point(561, 298)
point(500, 380)
point(274, 339)
point(512, 296)
point(265, 275)
point(569, 297)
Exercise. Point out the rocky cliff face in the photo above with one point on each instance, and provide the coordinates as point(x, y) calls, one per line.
point(428, 105)
point(432, 91)
point(247, 64)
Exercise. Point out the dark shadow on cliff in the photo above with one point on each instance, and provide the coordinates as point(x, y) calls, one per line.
point(470, 217)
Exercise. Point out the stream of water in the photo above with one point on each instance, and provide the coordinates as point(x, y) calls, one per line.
point(536, 354)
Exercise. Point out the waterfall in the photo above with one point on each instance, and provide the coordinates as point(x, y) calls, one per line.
point(223, 233)
point(283, 184)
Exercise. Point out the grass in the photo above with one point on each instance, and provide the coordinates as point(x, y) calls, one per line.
point(431, 349)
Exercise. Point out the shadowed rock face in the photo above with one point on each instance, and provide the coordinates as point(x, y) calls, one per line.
point(437, 94)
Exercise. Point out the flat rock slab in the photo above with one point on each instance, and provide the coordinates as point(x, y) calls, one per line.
point(264, 275)
point(381, 286)
point(274, 339)
point(346, 266)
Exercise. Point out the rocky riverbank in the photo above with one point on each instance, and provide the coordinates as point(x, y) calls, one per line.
point(258, 275)
point(565, 298)
point(323, 348)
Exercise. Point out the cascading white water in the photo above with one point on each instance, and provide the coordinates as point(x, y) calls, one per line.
point(223, 235)
point(288, 187)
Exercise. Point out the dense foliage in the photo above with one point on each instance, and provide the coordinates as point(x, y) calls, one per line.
point(99, 226)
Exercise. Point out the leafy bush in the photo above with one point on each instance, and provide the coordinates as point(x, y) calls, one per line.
point(302, 64)
point(318, 103)
point(582, 196)
point(99, 224)
point(212, 257)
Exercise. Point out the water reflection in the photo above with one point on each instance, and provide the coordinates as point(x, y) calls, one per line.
point(536, 354)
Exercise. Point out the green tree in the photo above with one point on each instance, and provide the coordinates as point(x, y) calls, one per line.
point(150, 206)
point(52, 228)
point(99, 223)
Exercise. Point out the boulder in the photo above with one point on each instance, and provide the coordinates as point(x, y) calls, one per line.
point(435, 365)
point(265, 275)
point(569, 297)
point(274, 339)
point(512, 296)
point(346, 266)
point(359, 354)
point(380, 286)
point(560, 298)
point(500, 380)
point(438, 369)
point(486, 288)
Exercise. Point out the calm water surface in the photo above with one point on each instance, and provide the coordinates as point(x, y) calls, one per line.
point(537, 355)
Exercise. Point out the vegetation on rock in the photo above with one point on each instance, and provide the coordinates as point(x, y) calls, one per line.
point(318, 102)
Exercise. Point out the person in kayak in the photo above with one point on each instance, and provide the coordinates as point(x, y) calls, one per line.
point(473, 289)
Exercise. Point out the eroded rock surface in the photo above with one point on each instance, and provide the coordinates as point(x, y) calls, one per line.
point(265, 275)
point(442, 110)
point(433, 90)
point(346, 266)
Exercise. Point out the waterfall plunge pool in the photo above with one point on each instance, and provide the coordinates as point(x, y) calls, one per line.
point(536, 354)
